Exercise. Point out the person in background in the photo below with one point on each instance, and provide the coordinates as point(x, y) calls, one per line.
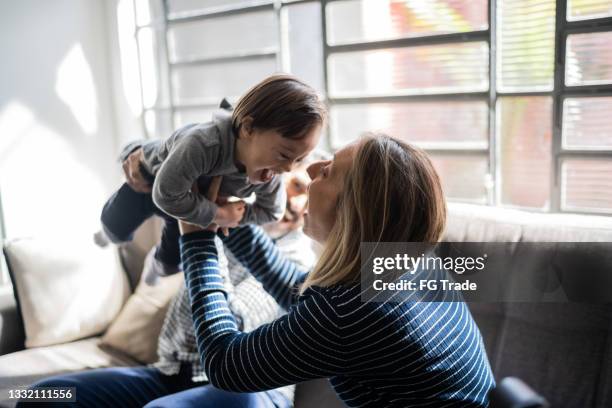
point(288, 233)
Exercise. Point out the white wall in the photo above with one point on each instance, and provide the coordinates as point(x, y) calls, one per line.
point(123, 64)
point(63, 114)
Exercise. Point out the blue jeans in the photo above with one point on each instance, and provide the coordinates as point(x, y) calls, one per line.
point(127, 387)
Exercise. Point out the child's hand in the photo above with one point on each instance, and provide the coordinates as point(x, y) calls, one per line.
point(133, 176)
point(229, 215)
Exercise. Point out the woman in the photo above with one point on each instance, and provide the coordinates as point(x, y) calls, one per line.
point(375, 354)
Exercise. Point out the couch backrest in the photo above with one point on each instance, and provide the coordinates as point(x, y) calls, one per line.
point(133, 253)
point(562, 350)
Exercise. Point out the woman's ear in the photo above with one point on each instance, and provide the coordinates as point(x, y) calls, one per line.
point(246, 127)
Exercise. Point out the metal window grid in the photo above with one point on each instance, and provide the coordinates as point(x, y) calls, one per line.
point(560, 91)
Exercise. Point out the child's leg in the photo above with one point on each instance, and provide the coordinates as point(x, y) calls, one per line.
point(124, 212)
point(165, 258)
point(168, 251)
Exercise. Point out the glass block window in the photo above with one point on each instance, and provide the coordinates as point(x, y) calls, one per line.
point(589, 59)
point(446, 125)
point(587, 123)
point(587, 9)
point(255, 33)
point(525, 140)
point(411, 70)
point(526, 45)
point(523, 123)
point(372, 20)
point(464, 177)
point(587, 185)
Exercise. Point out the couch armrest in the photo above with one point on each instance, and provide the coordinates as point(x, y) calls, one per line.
point(12, 335)
point(512, 392)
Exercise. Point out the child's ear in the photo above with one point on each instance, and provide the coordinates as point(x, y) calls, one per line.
point(247, 126)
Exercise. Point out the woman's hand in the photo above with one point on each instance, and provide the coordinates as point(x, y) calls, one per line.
point(229, 214)
point(133, 176)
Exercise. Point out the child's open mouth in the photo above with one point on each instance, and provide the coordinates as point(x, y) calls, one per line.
point(266, 175)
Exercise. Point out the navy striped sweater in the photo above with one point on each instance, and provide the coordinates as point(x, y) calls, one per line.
point(417, 354)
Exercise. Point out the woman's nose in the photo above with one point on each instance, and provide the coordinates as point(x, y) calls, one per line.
point(313, 169)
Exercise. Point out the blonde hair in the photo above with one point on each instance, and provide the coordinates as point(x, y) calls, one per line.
point(391, 193)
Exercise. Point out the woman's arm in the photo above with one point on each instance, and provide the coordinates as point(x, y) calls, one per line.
point(251, 305)
point(280, 276)
point(304, 344)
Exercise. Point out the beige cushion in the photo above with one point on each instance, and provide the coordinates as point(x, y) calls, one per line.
point(136, 330)
point(66, 290)
point(133, 253)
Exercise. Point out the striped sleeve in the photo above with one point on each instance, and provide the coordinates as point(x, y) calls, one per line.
point(304, 344)
point(279, 276)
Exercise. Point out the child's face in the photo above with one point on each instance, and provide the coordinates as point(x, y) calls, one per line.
point(267, 153)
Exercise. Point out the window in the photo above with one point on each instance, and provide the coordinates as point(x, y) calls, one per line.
point(511, 98)
point(585, 131)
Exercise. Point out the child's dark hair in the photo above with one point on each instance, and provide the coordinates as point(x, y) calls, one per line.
point(283, 103)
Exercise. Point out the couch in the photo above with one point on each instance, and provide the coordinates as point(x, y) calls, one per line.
point(562, 350)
